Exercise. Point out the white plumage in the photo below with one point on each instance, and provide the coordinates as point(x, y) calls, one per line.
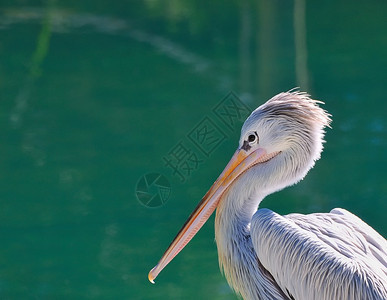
point(329, 256)
point(268, 256)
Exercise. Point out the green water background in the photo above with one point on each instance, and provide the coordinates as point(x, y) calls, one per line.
point(93, 95)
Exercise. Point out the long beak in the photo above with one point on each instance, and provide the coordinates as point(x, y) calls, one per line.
point(240, 162)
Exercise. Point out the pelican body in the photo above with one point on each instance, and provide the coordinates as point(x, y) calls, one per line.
point(268, 256)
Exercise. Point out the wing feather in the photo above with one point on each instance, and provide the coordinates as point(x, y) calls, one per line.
point(322, 256)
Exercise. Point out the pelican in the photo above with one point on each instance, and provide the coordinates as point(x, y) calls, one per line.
point(265, 255)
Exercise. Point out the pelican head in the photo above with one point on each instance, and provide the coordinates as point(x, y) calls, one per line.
point(280, 141)
point(290, 127)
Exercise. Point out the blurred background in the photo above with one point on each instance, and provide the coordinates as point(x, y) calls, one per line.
point(97, 97)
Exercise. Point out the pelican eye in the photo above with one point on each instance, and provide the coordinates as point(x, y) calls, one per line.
point(252, 138)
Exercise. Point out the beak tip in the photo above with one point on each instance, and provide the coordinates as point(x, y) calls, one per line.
point(151, 277)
